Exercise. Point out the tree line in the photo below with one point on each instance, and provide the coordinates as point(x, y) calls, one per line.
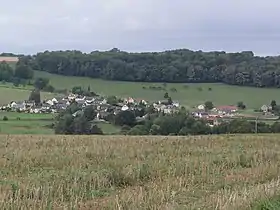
point(182, 65)
point(22, 72)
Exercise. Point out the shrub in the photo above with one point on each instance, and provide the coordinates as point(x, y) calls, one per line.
point(5, 118)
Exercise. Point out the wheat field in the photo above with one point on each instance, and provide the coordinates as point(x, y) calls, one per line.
point(121, 172)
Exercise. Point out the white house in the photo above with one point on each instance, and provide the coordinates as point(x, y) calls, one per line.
point(54, 100)
point(50, 102)
point(124, 108)
point(201, 107)
point(265, 108)
point(129, 100)
point(176, 104)
point(13, 104)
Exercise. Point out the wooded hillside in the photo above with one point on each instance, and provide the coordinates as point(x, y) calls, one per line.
point(170, 66)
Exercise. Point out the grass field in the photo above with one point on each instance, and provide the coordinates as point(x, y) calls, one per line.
point(28, 123)
point(10, 93)
point(189, 96)
point(117, 172)
point(38, 124)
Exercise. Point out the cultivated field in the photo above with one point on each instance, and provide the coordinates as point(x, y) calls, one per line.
point(9, 59)
point(188, 94)
point(117, 172)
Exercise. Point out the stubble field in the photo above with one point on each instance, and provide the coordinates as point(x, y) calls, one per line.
point(118, 172)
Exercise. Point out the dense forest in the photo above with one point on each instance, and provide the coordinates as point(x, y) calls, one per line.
point(181, 65)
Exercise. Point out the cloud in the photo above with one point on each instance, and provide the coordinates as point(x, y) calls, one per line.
point(139, 25)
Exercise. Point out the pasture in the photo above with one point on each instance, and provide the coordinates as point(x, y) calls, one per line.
point(189, 95)
point(120, 172)
point(10, 93)
point(23, 123)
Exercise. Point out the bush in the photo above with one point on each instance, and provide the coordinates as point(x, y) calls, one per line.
point(209, 89)
point(173, 89)
point(5, 118)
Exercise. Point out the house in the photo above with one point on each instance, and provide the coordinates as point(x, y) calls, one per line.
point(201, 107)
point(212, 121)
point(50, 102)
point(265, 108)
point(176, 104)
point(12, 105)
point(227, 109)
point(129, 100)
point(201, 114)
point(54, 100)
point(29, 103)
point(125, 108)
point(71, 97)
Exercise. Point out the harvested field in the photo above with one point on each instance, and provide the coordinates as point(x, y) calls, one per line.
point(8, 59)
point(120, 172)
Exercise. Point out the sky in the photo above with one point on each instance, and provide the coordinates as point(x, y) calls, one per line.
point(31, 26)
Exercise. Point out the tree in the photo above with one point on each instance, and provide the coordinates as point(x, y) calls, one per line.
point(138, 130)
point(35, 96)
point(209, 105)
point(23, 71)
point(112, 100)
point(166, 96)
point(64, 124)
point(181, 65)
point(241, 105)
point(273, 104)
point(41, 83)
point(125, 118)
point(6, 72)
point(89, 113)
point(170, 100)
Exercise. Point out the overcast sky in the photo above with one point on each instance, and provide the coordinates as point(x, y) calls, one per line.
point(140, 25)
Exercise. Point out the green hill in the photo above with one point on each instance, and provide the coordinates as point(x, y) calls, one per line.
point(188, 94)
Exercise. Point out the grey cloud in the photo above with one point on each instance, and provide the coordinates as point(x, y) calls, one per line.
point(139, 25)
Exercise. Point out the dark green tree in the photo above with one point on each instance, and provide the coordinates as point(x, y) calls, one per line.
point(35, 96)
point(23, 71)
point(125, 118)
point(273, 104)
point(89, 113)
point(209, 105)
point(41, 83)
point(241, 105)
point(166, 96)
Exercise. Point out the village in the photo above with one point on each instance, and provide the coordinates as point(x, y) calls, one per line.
point(105, 106)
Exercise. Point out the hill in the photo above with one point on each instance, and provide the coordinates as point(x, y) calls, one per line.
point(189, 94)
point(117, 172)
point(181, 66)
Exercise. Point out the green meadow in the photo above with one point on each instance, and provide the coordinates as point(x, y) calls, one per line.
point(25, 123)
point(189, 95)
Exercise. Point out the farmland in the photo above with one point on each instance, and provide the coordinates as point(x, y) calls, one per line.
point(188, 94)
point(117, 172)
